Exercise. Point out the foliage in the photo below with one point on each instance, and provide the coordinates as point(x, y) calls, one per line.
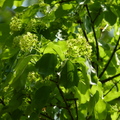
point(60, 60)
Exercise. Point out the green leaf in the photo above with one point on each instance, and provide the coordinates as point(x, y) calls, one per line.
point(29, 12)
point(22, 64)
point(33, 116)
point(46, 65)
point(41, 97)
point(16, 114)
point(100, 110)
point(84, 92)
point(18, 70)
point(93, 100)
point(16, 100)
point(67, 6)
point(85, 75)
point(81, 2)
point(48, 1)
point(8, 53)
point(87, 24)
point(8, 3)
point(59, 47)
point(110, 16)
point(69, 76)
point(62, 10)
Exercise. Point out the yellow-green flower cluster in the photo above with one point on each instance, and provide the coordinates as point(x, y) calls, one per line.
point(79, 48)
point(33, 76)
point(31, 26)
point(16, 41)
point(26, 42)
point(35, 24)
point(16, 23)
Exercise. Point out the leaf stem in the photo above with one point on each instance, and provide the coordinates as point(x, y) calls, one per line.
point(107, 64)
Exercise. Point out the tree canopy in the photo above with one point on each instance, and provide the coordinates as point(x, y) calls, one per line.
point(60, 59)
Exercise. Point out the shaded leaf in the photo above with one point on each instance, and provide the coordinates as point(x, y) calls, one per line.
point(8, 3)
point(110, 16)
point(69, 76)
point(62, 10)
point(16, 114)
point(18, 70)
point(41, 96)
point(46, 65)
point(48, 1)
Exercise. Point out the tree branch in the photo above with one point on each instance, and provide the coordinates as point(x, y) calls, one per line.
point(110, 78)
point(61, 93)
point(107, 64)
point(95, 37)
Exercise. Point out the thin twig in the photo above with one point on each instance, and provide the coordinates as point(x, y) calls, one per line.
point(97, 15)
point(107, 64)
point(48, 117)
point(95, 37)
point(111, 88)
point(84, 33)
point(76, 108)
point(61, 93)
point(110, 78)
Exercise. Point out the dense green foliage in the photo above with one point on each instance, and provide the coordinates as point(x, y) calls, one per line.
point(60, 60)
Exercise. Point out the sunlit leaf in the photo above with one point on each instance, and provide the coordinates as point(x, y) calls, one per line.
point(100, 110)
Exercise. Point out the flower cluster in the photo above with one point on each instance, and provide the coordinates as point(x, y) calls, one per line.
point(26, 42)
point(31, 26)
point(34, 25)
point(79, 48)
point(33, 76)
point(16, 23)
point(16, 41)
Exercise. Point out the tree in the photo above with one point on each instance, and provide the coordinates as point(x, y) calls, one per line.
point(60, 60)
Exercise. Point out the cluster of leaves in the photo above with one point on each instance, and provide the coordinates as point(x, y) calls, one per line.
point(55, 63)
